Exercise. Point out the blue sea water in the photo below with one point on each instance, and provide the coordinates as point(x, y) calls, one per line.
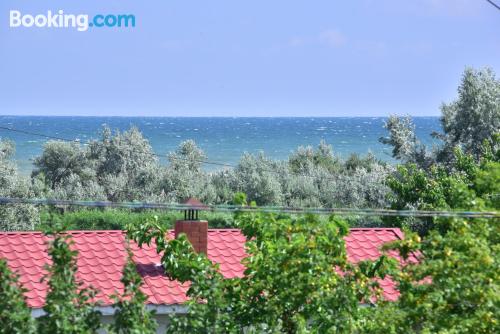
point(222, 139)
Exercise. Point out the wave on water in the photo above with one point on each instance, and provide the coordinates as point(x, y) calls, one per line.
point(222, 139)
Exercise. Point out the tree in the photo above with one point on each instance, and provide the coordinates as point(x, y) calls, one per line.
point(131, 316)
point(475, 116)
point(304, 159)
point(60, 160)
point(118, 167)
point(14, 216)
point(454, 286)
point(126, 165)
point(255, 176)
point(297, 278)
point(15, 316)
point(67, 173)
point(68, 306)
point(467, 122)
point(405, 144)
point(184, 177)
point(465, 184)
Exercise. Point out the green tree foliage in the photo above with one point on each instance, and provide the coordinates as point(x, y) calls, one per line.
point(454, 286)
point(467, 185)
point(123, 167)
point(125, 164)
point(14, 216)
point(131, 316)
point(15, 316)
point(108, 219)
point(306, 159)
point(297, 278)
point(405, 144)
point(184, 177)
point(475, 116)
point(255, 176)
point(467, 122)
point(60, 160)
point(118, 167)
point(68, 306)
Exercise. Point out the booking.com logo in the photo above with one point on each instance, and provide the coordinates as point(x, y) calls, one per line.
point(80, 22)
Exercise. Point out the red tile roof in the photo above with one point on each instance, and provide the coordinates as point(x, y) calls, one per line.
point(101, 256)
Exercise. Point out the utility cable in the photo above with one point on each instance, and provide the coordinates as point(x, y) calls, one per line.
point(494, 4)
point(208, 162)
point(268, 209)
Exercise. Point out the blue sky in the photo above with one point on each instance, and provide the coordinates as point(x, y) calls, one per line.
point(247, 58)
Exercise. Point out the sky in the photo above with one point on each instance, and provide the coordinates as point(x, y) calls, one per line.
point(247, 58)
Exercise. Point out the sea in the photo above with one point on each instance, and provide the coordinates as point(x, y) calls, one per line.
point(224, 139)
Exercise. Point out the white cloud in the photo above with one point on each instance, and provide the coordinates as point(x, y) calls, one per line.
point(332, 37)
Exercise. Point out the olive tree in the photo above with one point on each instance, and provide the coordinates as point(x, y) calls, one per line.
point(467, 122)
point(14, 216)
point(405, 144)
point(125, 165)
point(255, 176)
point(184, 177)
point(475, 116)
point(60, 160)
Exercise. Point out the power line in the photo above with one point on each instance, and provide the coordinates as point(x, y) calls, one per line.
point(38, 134)
point(268, 209)
point(208, 162)
point(494, 4)
point(78, 141)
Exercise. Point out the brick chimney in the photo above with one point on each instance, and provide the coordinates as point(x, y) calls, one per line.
point(196, 230)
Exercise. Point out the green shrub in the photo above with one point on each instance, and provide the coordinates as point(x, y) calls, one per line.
point(118, 219)
point(15, 316)
point(98, 219)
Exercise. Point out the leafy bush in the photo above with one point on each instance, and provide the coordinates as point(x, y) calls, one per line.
point(118, 219)
point(108, 219)
point(123, 167)
point(454, 288)
point(15, 316)
point(467, 185)
point(68, 307)
point(297, 278)
point(131, 316)
point(14, 217)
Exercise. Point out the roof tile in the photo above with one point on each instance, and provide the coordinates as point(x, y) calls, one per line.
point(102, 255)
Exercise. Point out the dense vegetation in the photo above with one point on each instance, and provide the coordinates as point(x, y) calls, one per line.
point(123, 167)
point(298, 279)
point(70, 308)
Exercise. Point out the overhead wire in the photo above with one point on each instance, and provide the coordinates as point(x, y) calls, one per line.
point(493, 4)
point(276, 209)
point(78, 141)
point(208, 162)
point(268, 209)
